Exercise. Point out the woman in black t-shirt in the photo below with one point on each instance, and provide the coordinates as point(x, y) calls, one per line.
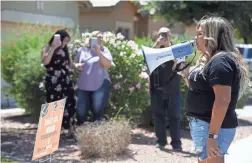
point(215, 85)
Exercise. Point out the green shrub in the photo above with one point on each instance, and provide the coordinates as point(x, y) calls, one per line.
point(146, 41)
point(7, 160)
point(21, 65)
point(28, 82)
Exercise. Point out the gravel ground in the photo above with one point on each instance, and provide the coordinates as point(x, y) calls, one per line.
point(18, 135)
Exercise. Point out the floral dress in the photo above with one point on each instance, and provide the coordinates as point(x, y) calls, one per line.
point(59, 85)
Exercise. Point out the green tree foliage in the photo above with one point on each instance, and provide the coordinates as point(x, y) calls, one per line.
point(189, 12)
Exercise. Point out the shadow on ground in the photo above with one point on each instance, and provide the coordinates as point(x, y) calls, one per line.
point(148, 137)
point(243, 121)
point(142, 139)
point(27, 118)
point(19, 143)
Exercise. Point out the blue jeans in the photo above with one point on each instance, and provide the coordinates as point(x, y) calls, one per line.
point(94, 100)
point(199, 133)
point(170, 107)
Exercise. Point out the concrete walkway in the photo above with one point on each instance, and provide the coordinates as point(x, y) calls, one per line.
point(245, 112)
point(241, 151)
point(11, 112)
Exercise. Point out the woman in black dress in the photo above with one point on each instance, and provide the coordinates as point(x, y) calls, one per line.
point(59, 73)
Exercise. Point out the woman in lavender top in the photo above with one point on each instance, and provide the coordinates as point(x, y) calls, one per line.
point(93, 79)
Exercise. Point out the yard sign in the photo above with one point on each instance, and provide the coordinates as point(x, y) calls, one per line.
point(49, 127)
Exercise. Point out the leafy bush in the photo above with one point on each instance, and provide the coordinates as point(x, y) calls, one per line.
point(7, 160)
point(21, 60)
point(28, 81)
point(146, 41)
point(104, 139)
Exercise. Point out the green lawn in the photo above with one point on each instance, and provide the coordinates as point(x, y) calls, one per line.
point(6, 160)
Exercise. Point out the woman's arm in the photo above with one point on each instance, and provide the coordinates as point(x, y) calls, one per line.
point(104, 61)
point(48, 51)
point(47, 54)
point(76, 65)
point(220, 106)
point(71, 62)
point(219, 74)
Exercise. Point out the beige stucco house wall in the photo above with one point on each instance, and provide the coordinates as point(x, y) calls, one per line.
point(54, 13)
point(109, 18)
